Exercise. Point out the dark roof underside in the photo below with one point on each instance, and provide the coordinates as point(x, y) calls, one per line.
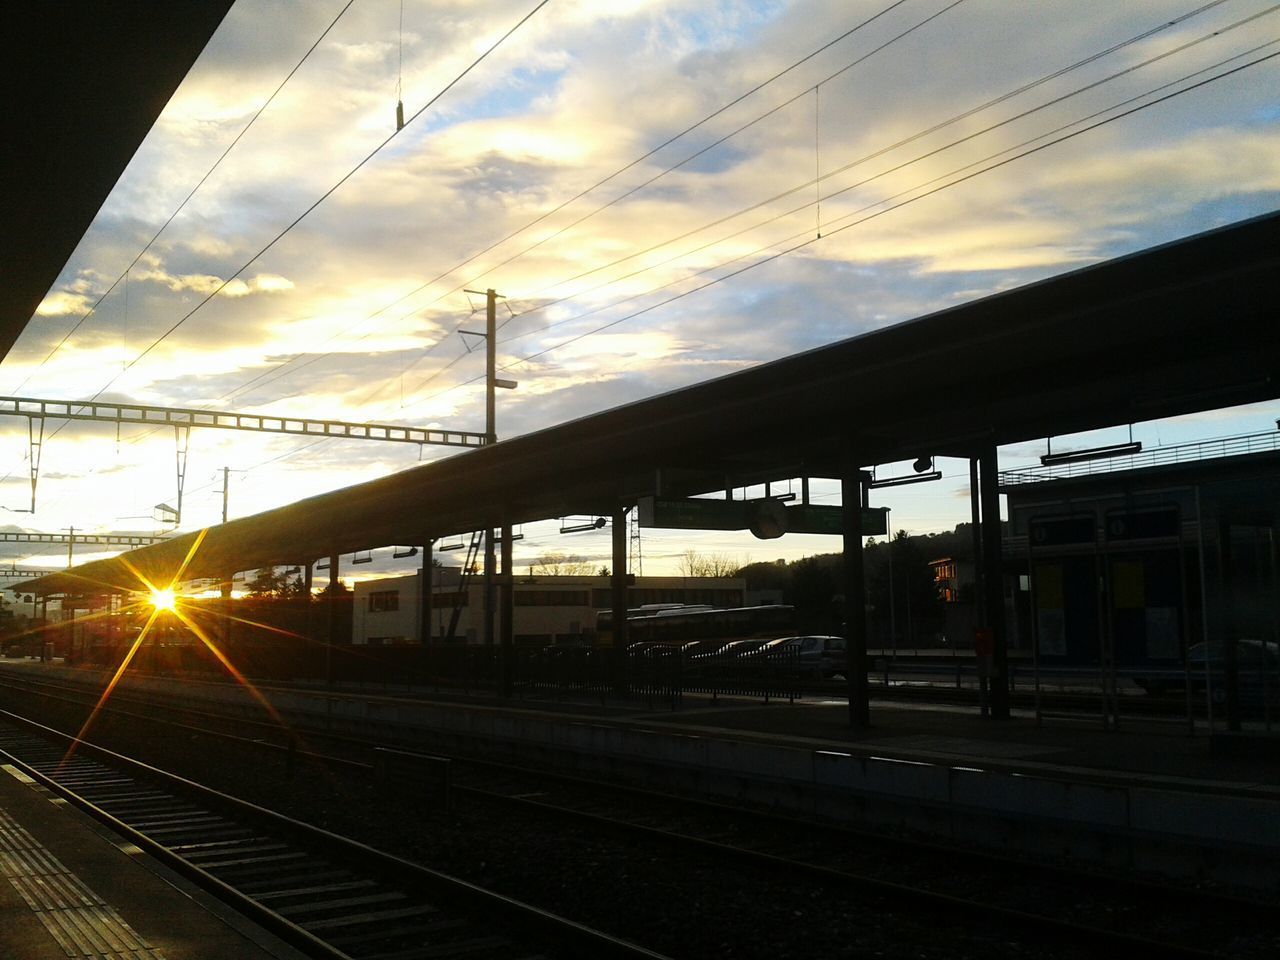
point(84, 81)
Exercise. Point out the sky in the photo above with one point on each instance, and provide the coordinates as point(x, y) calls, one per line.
point(625, 176)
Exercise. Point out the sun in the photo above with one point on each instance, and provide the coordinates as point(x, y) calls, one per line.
point(163, 599)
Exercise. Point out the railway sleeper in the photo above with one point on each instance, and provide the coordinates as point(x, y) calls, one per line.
point(403, 931)
point(371, 917)
point(325, 906)
point(257, 863)
point(315, 890)
point(453, 948)
point(237, 854)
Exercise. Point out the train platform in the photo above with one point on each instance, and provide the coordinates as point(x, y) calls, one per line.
point(70, 888)
point(1155, 789)
point(1077, 748)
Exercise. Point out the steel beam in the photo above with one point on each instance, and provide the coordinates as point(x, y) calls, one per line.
point(88, 539)
point(97, 411)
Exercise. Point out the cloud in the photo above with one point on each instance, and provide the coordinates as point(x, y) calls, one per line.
point(207, 283)
point(355, 313)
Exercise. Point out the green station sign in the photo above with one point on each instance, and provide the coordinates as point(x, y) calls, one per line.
point(695, 513)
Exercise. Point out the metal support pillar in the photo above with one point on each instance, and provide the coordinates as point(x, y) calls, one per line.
point(979, 594)
point(226, 613)
point(507, 635)
point(855, 594)
point(490, 366)
point(993, 582)
point(426, 583)
point(71, 545)
point(308, 629)
point(1230, 643)
point(490, 561)
point(491, 437)
point(182, 437)
point(35, 437)
point(331, 620)
point(618, 583)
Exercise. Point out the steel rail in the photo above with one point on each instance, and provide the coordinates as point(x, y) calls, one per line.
point(574, 939)
point(1039, 924)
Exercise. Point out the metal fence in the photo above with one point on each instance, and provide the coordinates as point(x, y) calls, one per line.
point(657, 673)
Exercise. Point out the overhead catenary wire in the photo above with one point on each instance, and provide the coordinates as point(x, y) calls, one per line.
point(172, 216)
point(877, 153)
point(934, 128)
point(934, 190)
point(583, 193)
point(225, 282)
point(266, 377)
point(809, 239)
point(522, 360)
point(1143, 35)
point(324, 196)
point(187, 199)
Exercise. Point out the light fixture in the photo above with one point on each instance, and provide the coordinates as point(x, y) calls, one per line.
point(367, 558)
point(450, 546)
point(596, 524)
point(904, 480)
point(923, 464)
point(399, 554)
point(1092, 453)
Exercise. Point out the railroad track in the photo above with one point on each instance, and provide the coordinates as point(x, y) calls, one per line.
point(1116, 913)
point(325, 894)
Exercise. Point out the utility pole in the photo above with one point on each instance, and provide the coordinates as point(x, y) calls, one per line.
point(71, 544)
point(490, 437)
point(491, 383)
point(226, 482)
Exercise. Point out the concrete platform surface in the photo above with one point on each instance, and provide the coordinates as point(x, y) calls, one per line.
point(70, 888)
point(1084, 749)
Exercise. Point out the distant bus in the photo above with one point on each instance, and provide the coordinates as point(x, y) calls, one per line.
point(673, 623)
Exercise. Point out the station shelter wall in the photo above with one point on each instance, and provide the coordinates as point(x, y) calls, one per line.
point(1135, 576)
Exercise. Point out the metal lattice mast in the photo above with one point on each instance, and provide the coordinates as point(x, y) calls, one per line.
point(182, 419)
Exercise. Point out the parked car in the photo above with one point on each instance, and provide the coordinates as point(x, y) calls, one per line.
point(816, 655)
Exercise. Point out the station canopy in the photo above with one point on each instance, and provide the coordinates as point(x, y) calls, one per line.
point(84, 82)
point(1176, 329)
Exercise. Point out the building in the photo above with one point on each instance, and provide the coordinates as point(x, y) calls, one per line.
point(1127, 562)
point(548, 609)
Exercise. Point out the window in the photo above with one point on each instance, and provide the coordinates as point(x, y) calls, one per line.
point(384, 601)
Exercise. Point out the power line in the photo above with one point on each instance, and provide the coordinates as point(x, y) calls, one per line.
point(877, 153)
point(1146, 34)
point(849, 225)
point(810, 239)
point(328, 193)
point(621, 170)
point(314, 205)
point(962, 179)
point(995, 101)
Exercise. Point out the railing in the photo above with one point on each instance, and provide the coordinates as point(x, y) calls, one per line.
point(1157, 457)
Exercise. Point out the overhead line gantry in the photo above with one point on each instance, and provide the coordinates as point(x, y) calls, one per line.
point(71, 538)
point(182, 419)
